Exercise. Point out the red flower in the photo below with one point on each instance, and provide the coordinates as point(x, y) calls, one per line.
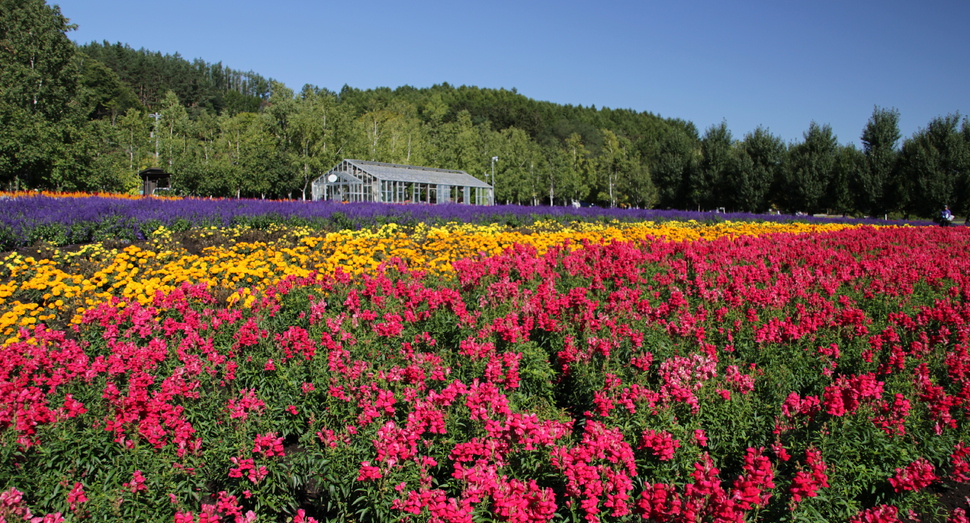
point(880, 514)
point(137, 483)
point(662, 444)
point(961, 466)
point(916, 476)
point(76, 496)
point(268, 444)
point(368, 472)
point(806, 484)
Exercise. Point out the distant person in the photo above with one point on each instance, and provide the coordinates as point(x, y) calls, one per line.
point(946, 217)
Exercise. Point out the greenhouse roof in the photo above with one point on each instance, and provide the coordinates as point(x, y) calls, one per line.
point(415, 174)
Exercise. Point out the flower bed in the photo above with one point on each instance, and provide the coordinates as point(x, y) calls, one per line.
point(71, 219)
point(777, 376)
point(56, 286)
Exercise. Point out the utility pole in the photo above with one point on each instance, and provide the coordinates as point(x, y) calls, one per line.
point(156, 116)
point(495, 194)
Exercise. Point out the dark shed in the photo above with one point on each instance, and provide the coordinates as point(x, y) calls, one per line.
point(153, 179)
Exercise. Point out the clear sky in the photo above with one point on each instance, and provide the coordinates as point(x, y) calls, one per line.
point(778, 64)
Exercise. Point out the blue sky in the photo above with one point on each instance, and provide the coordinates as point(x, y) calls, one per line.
point(777, 64)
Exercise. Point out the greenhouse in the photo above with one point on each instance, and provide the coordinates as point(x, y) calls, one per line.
point(363, 181)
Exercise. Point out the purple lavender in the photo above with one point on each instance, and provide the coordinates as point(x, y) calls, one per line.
point(72, 220)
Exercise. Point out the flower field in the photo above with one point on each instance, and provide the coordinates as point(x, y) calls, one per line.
point(64, 219)
point(462, 372)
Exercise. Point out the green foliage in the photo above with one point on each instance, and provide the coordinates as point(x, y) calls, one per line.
point(811, 166)
point(8, 239)
point(198, 83)
point(713, 171)
point(674, 166)
point(757, 168)
point(340, 221)
point(52, 233)
point(875, 182)
point(39, 116)
point(935, 163)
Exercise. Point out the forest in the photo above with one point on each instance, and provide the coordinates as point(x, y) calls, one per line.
point(89, 117)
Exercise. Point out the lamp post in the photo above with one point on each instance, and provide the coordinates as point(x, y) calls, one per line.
point(494, 194)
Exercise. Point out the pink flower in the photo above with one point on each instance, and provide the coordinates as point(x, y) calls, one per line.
point(228, 505)
point(76, 496)
point(662, 444)
point(13, 508)
point(137, 483)
point(249, 468)
point(916, 476)
point(847, 393)
point(958, 516)
point(301, 517)
point(248, 402)
point(700, 437)
point(961, 466)
point(72, 407)
point(891, 418)
point(780, 451)
point(758, 477)
point(368, 472)
point(880, 514)
point(268, 444)
point(806, 484)
point(659, 503)
point(742, 383)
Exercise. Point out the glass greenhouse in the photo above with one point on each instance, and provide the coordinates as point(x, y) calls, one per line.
point(363, 181)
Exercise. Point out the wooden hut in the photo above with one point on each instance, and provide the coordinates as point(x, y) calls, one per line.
point(154, 179)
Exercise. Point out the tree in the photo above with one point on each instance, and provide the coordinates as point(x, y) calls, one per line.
point(635, 186)
point(849, 162)
point(674, 165)
point(103, 94)
point(577, 169)
point(113, 166)
point(110, 154)
point(810, 167)
point(609, 165)
point(405, 140)
point(171, 132)
point(468, 154)
point(314, 127)
point(935, 166)
point(873, 183)
point(704, 185)
point(621, 178)
point(134, 139)
point(200, 164)
point(520, 161)
point(40, 121)
point(757, 168)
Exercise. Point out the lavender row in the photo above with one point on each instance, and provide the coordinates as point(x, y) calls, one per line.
point(70, 220)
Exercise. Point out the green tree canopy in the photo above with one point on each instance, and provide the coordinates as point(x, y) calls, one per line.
point(936, 166)
point(38, 102)
point(810, 169)
point(757, 167)
point(873, 185)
